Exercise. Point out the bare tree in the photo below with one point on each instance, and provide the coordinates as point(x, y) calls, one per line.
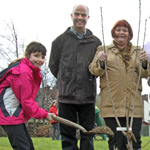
point(47, 92)
point(10, 47)
point(48, 82)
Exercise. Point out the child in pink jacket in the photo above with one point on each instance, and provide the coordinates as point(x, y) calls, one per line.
point(19, 84)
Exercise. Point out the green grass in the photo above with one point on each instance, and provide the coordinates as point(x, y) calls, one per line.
point(48, 144)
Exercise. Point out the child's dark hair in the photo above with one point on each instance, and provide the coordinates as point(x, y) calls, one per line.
point(35, 47)
point(32, 48)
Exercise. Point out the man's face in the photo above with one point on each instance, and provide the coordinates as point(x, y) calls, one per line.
point(80, 17)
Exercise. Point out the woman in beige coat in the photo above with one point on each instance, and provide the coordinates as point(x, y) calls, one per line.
point(123, 68)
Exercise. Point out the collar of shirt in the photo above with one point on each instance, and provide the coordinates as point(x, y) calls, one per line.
point(76, 33)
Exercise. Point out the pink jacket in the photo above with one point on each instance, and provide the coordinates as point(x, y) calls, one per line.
point(18, 89)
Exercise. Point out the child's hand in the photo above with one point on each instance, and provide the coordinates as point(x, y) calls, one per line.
point(49, 117)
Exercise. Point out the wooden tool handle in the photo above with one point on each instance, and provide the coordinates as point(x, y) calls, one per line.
point(68, 123)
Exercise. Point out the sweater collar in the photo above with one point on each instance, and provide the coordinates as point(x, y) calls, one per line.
point(76, 33)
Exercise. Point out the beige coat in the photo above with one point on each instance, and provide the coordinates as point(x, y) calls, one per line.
point(122, 87)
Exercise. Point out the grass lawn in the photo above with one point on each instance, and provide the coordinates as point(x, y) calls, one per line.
point(48, 144)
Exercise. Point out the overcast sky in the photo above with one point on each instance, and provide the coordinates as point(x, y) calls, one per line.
point(44, 20)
